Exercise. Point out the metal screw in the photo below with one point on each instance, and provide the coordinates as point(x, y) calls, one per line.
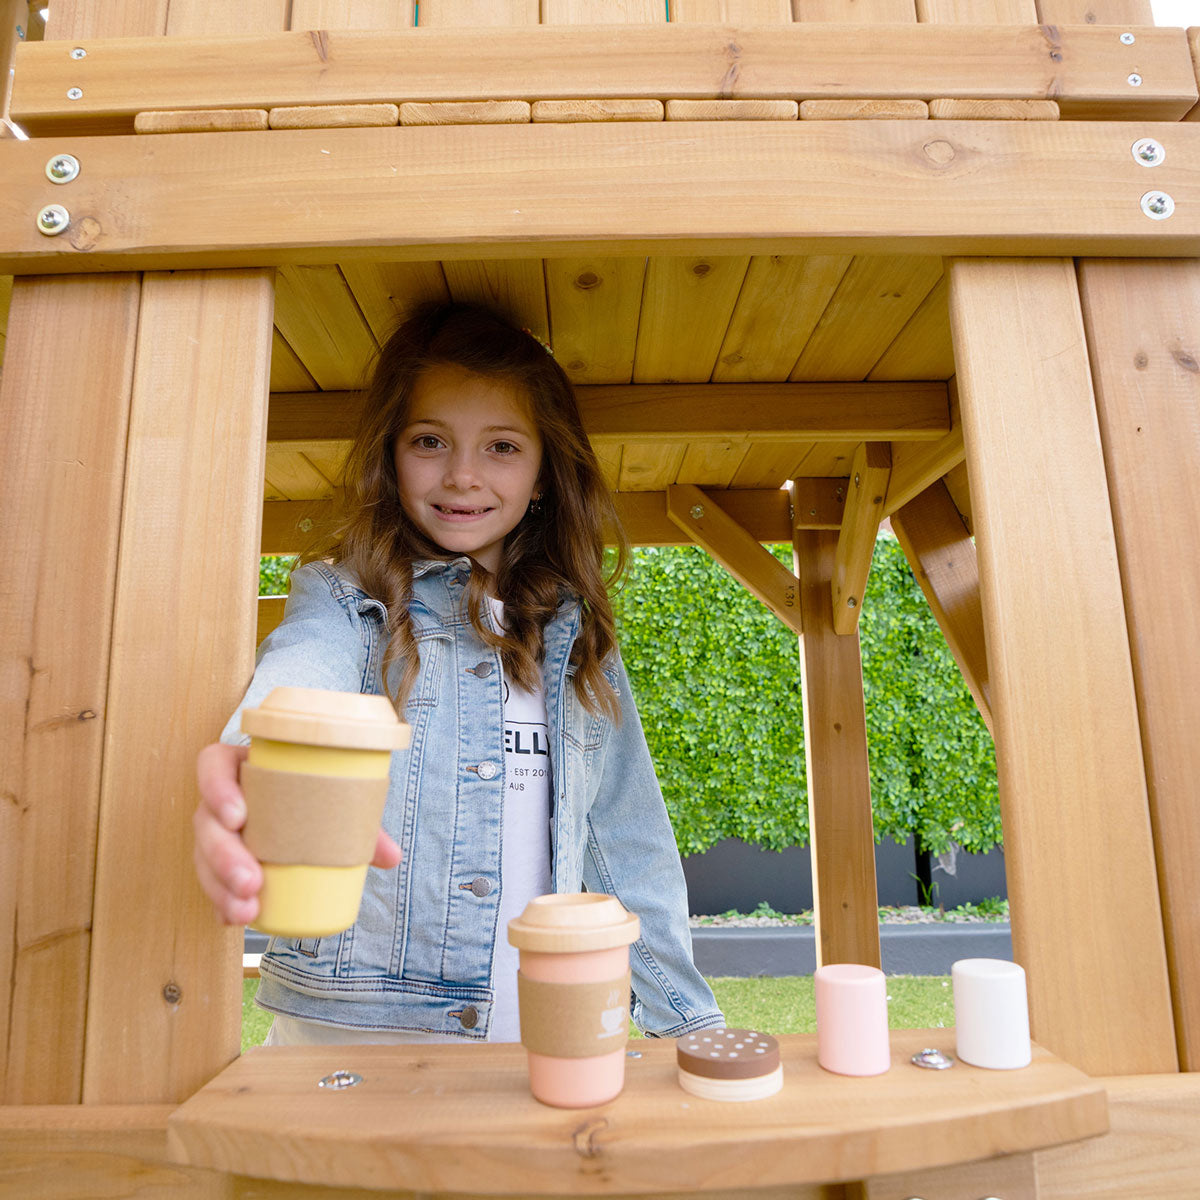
point(857, 480)
point(20, 34)
point(633, 1054)
point(172, 993)
point(62, 168)
point(305, 526)
point(1158, 206)
point(340, 1080)
point(53, 219)
point(932, 1059)
point(74, 93)
point(1127, 39)
point(1135, 80)
point(851, 602)
point(79, 52)
point(1148, 152)
point(697, 511)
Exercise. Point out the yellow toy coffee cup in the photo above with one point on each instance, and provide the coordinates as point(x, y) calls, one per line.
point(315, 782)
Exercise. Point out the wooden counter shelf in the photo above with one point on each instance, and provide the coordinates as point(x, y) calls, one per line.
point(461, 1119)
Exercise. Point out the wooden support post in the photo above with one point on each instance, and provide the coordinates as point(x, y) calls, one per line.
point(939, 549)
point(1081, 875)
point(739, 552)
point(1143, 330)
point(841, 831)
point(869, 473)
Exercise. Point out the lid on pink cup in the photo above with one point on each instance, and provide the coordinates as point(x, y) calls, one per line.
point(573, 922)
point(313, 717)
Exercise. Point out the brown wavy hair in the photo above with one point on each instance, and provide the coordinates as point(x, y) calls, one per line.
point(555, 553)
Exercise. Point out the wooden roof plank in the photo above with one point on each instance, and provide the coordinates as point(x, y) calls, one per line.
point(594, 306)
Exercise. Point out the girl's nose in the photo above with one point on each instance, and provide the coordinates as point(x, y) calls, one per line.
point(461, 470)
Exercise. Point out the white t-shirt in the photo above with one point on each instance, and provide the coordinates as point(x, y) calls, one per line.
point(524, 871)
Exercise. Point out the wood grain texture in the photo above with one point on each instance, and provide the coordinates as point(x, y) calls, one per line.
point(732, 110)
point(183, 635)
point(1096, 12)
point(842, 840)
point(334, 116)
point(319, 319)
point(978, 12)
point(594, 305)
point(732, 12)
point(1143, 331)
point(863, 110)
point(465, 112)
point(265, 1114)
point(1078, 850)
point(216, 120)
point(352, 14)
point(650, 61)
point(994, 110)
point(870, 471)
point(922, 349)
point(860, 12)
point(477, 14)
point(943, 560)
point(63, 454)
point(574, 111)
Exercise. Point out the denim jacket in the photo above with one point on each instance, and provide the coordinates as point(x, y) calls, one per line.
point(420, 955)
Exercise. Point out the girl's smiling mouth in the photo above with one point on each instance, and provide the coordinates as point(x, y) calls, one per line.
point(446, 510)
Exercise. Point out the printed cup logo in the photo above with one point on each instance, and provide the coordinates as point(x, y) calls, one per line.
point(613, 1021)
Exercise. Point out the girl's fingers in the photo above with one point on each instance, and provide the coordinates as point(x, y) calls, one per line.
point(387, 853)
point(217, 775)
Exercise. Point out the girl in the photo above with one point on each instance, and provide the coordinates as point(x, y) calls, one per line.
point(466, 584)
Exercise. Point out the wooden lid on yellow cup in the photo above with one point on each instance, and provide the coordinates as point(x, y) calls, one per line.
point(570, 922)
point(313, 717)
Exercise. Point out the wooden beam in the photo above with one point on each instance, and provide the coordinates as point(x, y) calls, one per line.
point(942, 556)
point(869, 473)
point(1080, 66)
point(704, 521)
point(841, 830)
point(1142, 322)
point(738, 412)
point(915, 468)
point(1086, 920)
point(977, 187)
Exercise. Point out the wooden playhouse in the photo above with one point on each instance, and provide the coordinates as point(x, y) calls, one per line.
point(932, 260)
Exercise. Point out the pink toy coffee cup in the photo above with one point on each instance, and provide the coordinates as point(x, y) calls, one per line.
point(573, 991)
point(852, 1019)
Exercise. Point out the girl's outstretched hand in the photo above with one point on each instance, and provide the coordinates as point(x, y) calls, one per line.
point(229, 874)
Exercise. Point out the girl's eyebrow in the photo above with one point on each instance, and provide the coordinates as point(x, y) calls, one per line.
point(486, 429)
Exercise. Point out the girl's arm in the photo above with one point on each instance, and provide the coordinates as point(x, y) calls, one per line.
point(631, 853)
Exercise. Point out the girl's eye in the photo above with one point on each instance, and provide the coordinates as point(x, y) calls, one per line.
point(427, 441)
point(504, 448)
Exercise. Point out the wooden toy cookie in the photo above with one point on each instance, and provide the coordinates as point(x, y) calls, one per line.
point(729, 1064)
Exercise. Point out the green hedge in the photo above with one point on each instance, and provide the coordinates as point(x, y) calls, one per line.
point(717, 680)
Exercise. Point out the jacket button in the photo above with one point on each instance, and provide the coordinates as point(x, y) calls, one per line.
point(483, 670)
point(487, 770)
point(481, 886)
point(469, 1017)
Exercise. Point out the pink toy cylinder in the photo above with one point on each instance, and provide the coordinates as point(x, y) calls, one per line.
point(852, 1019)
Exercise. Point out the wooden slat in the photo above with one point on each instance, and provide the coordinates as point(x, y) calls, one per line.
point(215, 120)
point(869, 474)
point(823, 61)
point(759, 412)
point(650, 466)
point(384, 292)
point(594, 306)
point(475, 14)
point(132, 18)
point(711, 464)
point(863, 110)
point(334, 116)
point(352, 14)
point(864, 12)
point(922, 349)
point(287, 371)
point(942, 556)
point(732, 12)
point(978, 12)
point(994, 110)
point(598, 12)
point(916, 467)
point(686, 306)
point(841, 832)
point(468, 112)
point(574, 111)
point(632, 186)
point(732, 110)
point(291, 475)
point(702, 519)
point(1078, 850)
point(516, 289)
point(322, 324)
point(183, 631)
point(1193, 113)
point(771, 464)
point(63, 453)
point(1096, 12)
point(193, 19)
point(1142, 322)
point(781, 301)
point(882, 293)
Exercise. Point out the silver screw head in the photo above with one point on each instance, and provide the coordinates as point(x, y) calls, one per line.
point(305, 525)
point(697, 511)
point(74, 93)
point(53, 219)
point(20, 34)
point(340, 1080)
point(1127, 39)
point(932, 1060)
point(1148, 152)
point(1135, 80)
point(62, 168)
point(79, 52)
point(851, 601)
point(1158, 206)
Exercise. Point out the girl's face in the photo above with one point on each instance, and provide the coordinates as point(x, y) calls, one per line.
point(467, 461)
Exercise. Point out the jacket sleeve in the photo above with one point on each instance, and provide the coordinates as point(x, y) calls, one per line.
point(631, 854)
point(320, 643)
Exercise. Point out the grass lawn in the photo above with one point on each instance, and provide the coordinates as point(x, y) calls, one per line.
point(773, 1005)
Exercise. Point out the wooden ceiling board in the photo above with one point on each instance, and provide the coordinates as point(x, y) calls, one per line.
point(468, 14)
point(960, 492)
point(770, 464)
point(711, 464)
point(732, 12)
point(923, 349)
point(872, 304)
point(594, 308)
point(609, 458)
point(385, 291)
point(515, 287)
point(828, 460)
point(686, 307)
point(352, 14)
point(650, 466)
point(290, 475)
point(856, 12)
point(781, 301)
point(603, 12)
point(287, 371)
point(317, 314)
